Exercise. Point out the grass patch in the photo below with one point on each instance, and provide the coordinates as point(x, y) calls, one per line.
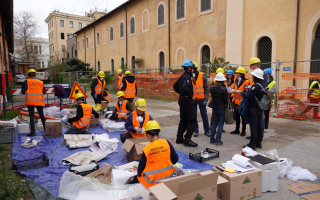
point(10, 115)
point(88, 86)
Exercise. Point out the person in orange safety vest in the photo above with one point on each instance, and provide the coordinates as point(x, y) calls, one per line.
point(129, 87)
point(121, 75)
point(136, 121)
point(124, 109)
point(97, 89)
point(106, 96)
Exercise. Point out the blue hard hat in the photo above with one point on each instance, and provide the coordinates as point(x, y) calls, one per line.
point(187, 63)
point(268, 70)
point(230, 71)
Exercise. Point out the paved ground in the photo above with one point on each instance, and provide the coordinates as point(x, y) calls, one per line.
point(296, 140)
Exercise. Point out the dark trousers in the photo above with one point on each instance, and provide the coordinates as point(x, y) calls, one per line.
point(188, 118)
point(31, 115)
point(256, 126)
point(97, 100)
point(125, 136)
point(238, 121)
point(266, 118)
point(218, 121)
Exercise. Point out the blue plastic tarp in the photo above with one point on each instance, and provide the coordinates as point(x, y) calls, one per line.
point(49, 177)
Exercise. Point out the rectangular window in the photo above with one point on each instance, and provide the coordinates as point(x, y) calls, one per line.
point(62, 36)
point(98, 39)
point(61, 23)
point(80, 25)
point(52, 23)
point(35, 49)
point(205, 5)
point(63, 48)
point(180, 9)
point(82, 44)
point(71, 24)
point(42, 64)
point(40, 50)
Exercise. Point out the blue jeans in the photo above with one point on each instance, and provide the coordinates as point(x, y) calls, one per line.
point(204, 116)
point(256, 126)
point(218, 120)
point(74, 130)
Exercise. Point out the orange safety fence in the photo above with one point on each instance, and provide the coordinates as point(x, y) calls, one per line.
point(295, 104)
point(303, 76)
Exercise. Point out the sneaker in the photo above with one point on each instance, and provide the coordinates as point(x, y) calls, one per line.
point(259, 146)
point(235, 132)
point(179, 140)
point(189, 143)
point(212, 141)
point(243, 133)
point(249, 137)
point(219, 143)
point(249, 145)
point(32, 134)
point(195, 134)
point(208, 134)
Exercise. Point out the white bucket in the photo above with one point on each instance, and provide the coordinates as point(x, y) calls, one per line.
point(23, 128)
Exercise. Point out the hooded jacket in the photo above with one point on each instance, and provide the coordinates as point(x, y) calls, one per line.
point(130, 79)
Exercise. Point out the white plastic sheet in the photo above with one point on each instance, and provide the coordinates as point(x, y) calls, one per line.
point(297, 173)
point(136, 190)
point(51, 111)
point(106, 144)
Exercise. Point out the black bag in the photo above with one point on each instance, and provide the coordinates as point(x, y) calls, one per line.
point(228, 117)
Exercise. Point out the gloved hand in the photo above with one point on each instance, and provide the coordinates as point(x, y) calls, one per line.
point(137, 129)
point(95, 96)
point(204, 103)
point(63, 120)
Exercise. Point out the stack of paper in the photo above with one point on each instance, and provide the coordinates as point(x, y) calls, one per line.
point(239, 163)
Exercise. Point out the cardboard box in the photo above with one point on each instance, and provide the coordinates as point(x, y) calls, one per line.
point(189, 187)
point(308, 191)
point(243, 186)
point(269, 175)
point(103, 174)
point(53, 128)
point(104, 105)
point(94, 117)
point(94, 122)
point(134, 146)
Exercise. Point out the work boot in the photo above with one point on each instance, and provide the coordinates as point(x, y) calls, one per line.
point(179, 140)
point(208, 134)
point(32, 134)
point(259, 146)
point(219, 143)
point(249, 137)
point(212, 141)
point(249, 145)
point(189, 142)
point(195, 134)
point(235, 132)
point(243, 133)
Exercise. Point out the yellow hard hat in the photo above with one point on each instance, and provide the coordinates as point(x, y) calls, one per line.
point(127, 72)
point(78, 95)
point(220, 70)
point(119, 71)
point(152, 125)
point(120, 94)
point(141, 104)
point(195, 64)
point(101, 74)
point(241, 70)
point(254, 61)
point(32, 71)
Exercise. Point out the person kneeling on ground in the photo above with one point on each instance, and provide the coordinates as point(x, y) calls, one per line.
point(150, 172)
point(136, 121)
point(106, 96)
point(81, 121)
point(124, 109)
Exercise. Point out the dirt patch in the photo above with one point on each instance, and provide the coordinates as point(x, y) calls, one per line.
point(168, 121)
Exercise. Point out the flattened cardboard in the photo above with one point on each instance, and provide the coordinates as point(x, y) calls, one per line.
point(75, 137)
point(104, 105)
point(103, 174)
point(134, 146)
point(308, 191)
point(53, 128)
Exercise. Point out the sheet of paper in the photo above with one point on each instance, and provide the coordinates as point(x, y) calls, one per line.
point(241, 160)
point(238, 168)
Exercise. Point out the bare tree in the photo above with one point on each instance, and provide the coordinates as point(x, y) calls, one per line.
point(27, 46)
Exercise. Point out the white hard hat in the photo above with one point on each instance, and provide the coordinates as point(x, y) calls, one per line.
point(258, 73)
point(220, 77)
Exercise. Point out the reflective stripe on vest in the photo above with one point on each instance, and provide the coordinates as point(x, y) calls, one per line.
point(135, 123)
point(122, 109)
point(99, 88)
point(85, 120)
point(237, 97)
point(198, 89)
point(158, 163)
point(130, 91)
point(34, 95)
point(270, 86)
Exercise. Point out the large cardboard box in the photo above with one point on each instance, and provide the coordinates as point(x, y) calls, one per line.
point(269, 176)
point(94, 122)
point(195, 186)
point(104, 105)
point(134, 146)
point(242, 186)
point(53, 128)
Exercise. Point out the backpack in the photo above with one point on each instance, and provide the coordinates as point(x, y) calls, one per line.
point(266, 100)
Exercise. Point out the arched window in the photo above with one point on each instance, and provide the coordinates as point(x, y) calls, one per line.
point(98, 38)
point(205, 54)
point(122, 62)
point(132, 25)
point(112, 66)
point(121, 30)
point(98, 65)
point(71, 52)
point(83, 44)
point(145, 20)
point(160, 14)
point(87, 42)
point(265, 52)
point(133, 64)
point(111, 33)
point(78, 47)
point(161, 61)
point(318, 32)
point(205, 5)
point(315, 53)
point(180, 9)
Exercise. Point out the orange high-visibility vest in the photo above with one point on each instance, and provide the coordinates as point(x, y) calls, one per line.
point(123, 109)
point(130, 91)
point(99, 87)
point(120, 82)
point(107, 98)
point(237, 97)
point(34, 95)
point(198, 89)
point(137, 124)
point(159, 165)
point(85, 120)
point(251, 82)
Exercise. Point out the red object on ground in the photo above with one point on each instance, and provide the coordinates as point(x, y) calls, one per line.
point(19, 107)
point(36, 115)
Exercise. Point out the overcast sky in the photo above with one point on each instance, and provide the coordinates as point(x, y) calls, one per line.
point(42, 8)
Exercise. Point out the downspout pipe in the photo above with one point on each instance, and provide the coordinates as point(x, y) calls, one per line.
point(85, 47)
point(169, 59)
point(95, 45)
point(126, 34)
point(296, 43)
point(4, 48)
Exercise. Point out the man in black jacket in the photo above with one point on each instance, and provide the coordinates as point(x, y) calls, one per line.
point(128, 86)
point(188, 116)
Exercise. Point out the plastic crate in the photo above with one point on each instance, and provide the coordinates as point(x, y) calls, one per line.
point(212, 154)
point(84, 173)
point(8, 134)
point(41, 161)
